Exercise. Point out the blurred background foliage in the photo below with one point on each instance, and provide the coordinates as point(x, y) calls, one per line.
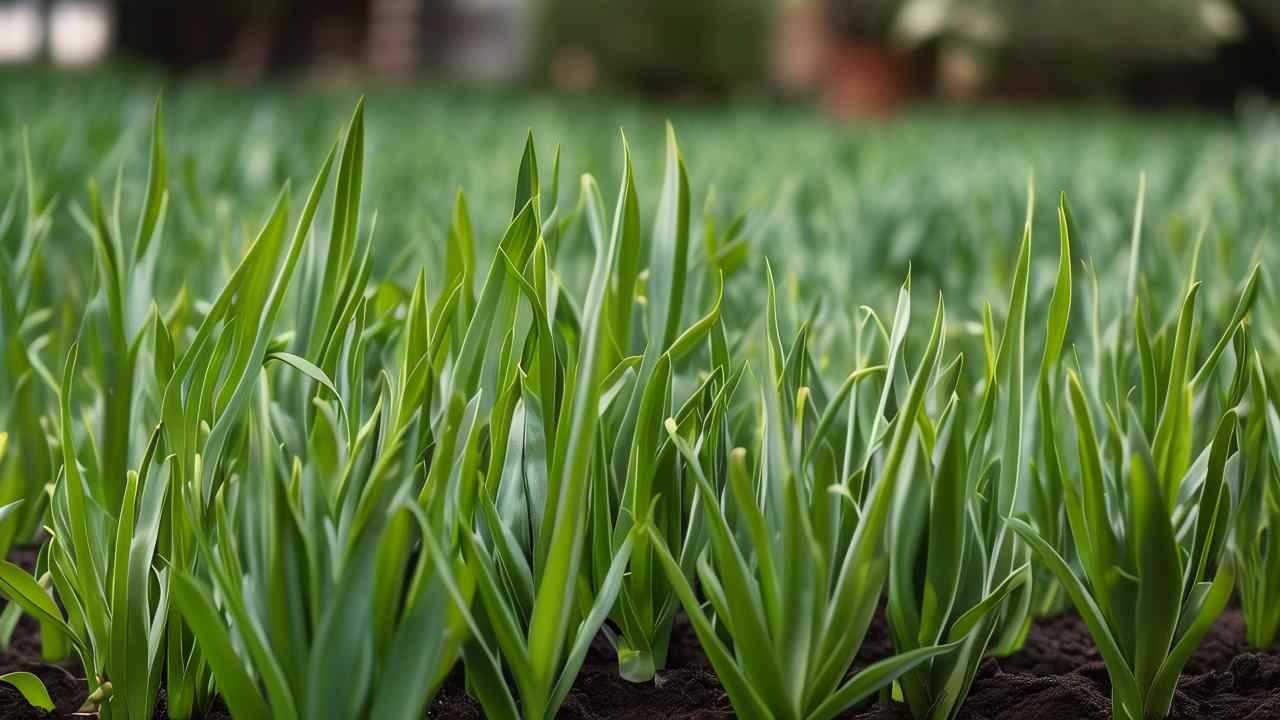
point(859, 57)
point(660, 46)
point(840, 209)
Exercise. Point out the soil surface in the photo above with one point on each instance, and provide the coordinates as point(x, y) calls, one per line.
point(1058, 675)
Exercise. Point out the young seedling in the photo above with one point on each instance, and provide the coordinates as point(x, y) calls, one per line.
point(794, 605)
point(1149, 529)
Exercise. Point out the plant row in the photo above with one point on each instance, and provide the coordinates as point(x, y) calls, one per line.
point(316, 492)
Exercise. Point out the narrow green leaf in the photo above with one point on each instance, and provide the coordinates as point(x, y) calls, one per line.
point(32, 689)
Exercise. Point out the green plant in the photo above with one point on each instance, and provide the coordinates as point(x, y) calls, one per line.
point(641, 467)
point(796, 588)
point(528, 574)
point(338, 592)
point(1148, 525)
point(1255, 483)
point(945, 579)
point(105, 517)
point(342, 475)
point(293, 543)
point(26, 388)
point(102, 567)
point(1045, 491)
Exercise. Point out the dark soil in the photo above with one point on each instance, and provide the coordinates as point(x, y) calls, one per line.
point(1058, 675)
point(65, 682)
point(687, 690)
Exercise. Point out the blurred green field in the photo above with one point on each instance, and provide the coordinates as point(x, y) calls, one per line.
point(842, 208)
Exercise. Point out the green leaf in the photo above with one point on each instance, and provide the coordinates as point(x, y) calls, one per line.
point(1160, 694)
point(156, 192)
point(627, 239)
point(527, 178)
point(32, 689)
point(306, 367)
point(460, 256)
point(566, 493)
point(742, 691)
point(947, 532)
point(606, 596)
point(964, 624)
point(1156, 550)
point(479, 342)
point(1243, 305)
point(1122, 678)
point(1060, 303)
point(668, 255)
point(1170, 449)
point(234, 682)
point(874, 677)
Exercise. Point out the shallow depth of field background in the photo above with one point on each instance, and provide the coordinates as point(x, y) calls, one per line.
point(864, 137)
